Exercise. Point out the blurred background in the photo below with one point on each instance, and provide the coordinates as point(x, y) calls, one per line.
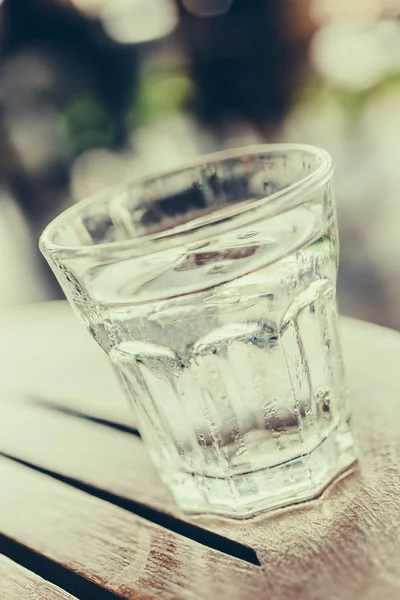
point(96, 91)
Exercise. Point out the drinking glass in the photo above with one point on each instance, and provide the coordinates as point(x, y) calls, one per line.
point(212, 290)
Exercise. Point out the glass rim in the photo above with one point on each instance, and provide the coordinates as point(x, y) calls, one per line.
point(271, 205)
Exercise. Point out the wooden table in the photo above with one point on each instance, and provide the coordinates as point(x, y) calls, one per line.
point(84, 515)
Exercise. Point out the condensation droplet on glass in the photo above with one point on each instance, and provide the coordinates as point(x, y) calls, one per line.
point(217, 269)
point(247, 234)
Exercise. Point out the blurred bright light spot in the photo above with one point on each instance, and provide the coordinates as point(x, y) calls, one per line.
point(381, 122)
point(359, 11)
point(97, 169)
point(134, 21)
point(208, 8)
point(21, 280)
point(26, 128)
point(90, 7)
point(169, 143)
point(388, 31)
point(355, 57)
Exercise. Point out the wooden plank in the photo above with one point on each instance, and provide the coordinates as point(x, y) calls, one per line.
point(120, 552)
point(98, 455)
point(17, 583)
point(346, 542)
point(49, 354)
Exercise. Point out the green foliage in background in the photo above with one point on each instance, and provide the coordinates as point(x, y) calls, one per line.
point(351, 101)
point(165, 90)
point(85, 124)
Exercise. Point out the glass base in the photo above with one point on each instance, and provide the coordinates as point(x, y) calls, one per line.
point(243, 495)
